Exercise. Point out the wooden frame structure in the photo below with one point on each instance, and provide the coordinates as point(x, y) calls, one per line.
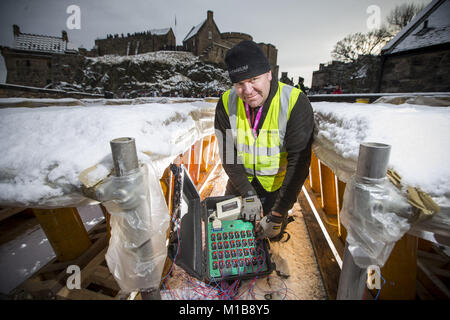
point(73, 245)
point(408, 276)
point(413, 269)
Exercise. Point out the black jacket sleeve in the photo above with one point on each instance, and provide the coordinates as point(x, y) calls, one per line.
point(228, 153)
point(298, 140)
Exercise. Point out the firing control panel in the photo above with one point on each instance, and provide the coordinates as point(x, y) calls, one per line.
point(233, 250)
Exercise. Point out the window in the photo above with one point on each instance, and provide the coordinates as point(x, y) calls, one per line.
point(28, 63)
point(209, 35)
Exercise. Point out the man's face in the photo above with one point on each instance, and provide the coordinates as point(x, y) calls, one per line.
point(254, 91)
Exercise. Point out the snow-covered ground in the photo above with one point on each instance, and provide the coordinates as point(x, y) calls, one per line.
point(45, 149)
point(419, 137)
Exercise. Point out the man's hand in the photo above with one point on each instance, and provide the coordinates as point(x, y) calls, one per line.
point(251, 208)
point(269, 226)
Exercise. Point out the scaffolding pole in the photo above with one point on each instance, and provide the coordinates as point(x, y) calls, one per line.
point(373, 160)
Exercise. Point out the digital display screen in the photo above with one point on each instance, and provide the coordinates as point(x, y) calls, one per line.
point(230, 206)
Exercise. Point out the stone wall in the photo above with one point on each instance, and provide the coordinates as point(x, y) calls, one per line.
point(211, 45)
point(39, 69)
point(207, 35)
point(426, 71)
point(356, 77)
point(271, 54)
point(67, 68)
point(28, 69)
point(235, 37)
point(135, 43)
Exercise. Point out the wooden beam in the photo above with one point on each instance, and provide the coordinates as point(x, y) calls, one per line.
point(314, 175)
point(8, 212)
point(65, 232)
point(328, 265)
point(430, 281)
point(81, 294)
point(328, 190)
point(330, 224)
point(399, 271)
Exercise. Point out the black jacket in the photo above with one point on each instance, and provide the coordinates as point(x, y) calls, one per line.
point(298, 140)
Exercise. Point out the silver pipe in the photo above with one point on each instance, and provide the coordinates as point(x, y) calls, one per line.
point(373, 161)
point(126, 162)
point(124, 156)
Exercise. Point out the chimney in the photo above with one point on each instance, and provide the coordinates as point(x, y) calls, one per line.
point(16, 30)
point(210, 15)
point(64, 36)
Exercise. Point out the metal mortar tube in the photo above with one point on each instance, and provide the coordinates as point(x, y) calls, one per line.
point(126, 164)
point(124, 156)
point(373, 161)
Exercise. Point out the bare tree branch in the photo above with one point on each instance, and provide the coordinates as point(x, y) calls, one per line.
point(401, 15)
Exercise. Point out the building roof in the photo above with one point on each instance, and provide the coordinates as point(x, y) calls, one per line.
point(430, 27)
point(160, 32)
point(34, 42)
point(194, 30)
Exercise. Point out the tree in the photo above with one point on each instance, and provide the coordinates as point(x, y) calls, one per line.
point(358, 44)
point(370, 43)
point(401, 15)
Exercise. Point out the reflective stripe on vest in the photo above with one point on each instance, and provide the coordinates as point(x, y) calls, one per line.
point(266, 157)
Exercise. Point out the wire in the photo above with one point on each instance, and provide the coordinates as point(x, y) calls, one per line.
point(379, 290)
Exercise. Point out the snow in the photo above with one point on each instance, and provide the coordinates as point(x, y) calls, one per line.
point(48, 147)
point(160, 32)
point(167, 57)
point(419, 137)
point(194, 30)
point(410, 38)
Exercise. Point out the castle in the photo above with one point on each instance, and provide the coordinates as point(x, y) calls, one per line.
point(136, 43)
point(206, 41)
point(41, 60)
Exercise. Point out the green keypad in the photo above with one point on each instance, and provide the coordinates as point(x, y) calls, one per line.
point(233, 250)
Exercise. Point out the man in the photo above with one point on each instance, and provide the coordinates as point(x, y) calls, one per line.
point(337, 90)
point(300, 85)
point(265, 130)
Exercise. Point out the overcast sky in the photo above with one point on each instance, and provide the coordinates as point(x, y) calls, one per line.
point(304, 32)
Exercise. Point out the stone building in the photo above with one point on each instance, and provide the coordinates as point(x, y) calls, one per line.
point(417, 59)
point(34, 60)
point(285, 79)
point(360, 76)
point(206, 41)
point(136, 43)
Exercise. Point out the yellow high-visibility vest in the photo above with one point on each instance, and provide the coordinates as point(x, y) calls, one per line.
point(264, 157)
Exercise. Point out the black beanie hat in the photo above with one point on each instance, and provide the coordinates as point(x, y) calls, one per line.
point(246, 60)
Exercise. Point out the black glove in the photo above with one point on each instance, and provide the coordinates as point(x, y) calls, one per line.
point(269, 226)
point(251, 208)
